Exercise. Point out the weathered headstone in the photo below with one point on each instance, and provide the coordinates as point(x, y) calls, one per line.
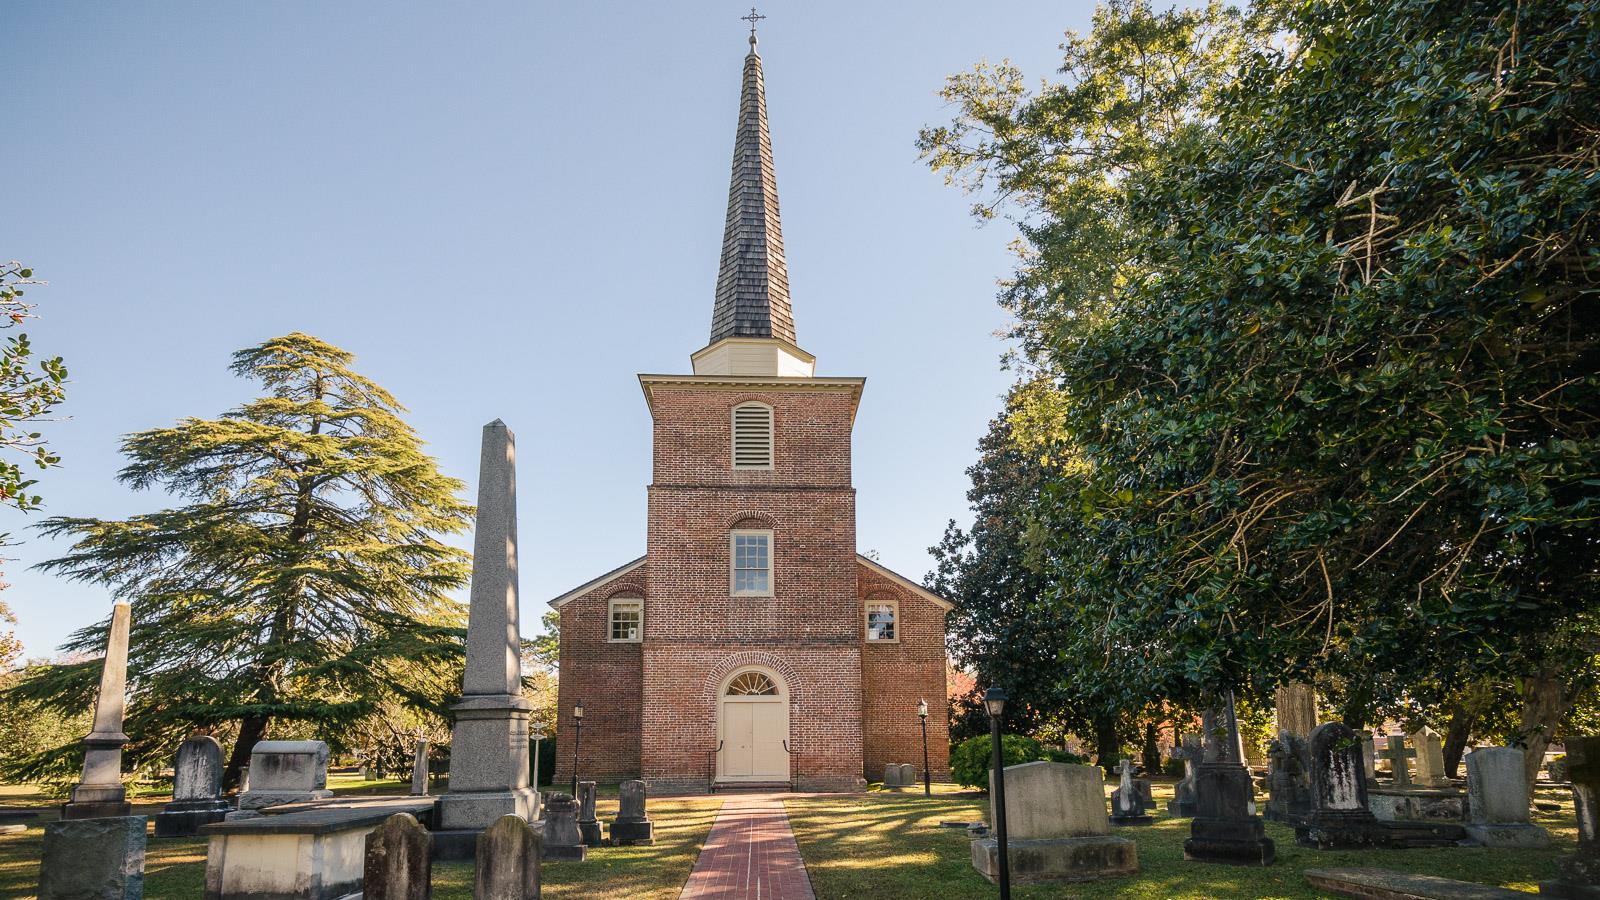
point(1225, 829)
point(100, 792)
point(1056, 827)
point(419, 769)
point(1183, 803)
point(632, 825)
point(399, 864)
point(1339, 817)
point(1369, 756)
point(196, 789)
point(1398, 755)
point(508, 856)
point(285, 772)
point(588, 825)
point(1580, 872)
point(1127, 805)
point(891, 775)
point(1295, 708)
point(908, 775)
point(1289, 781)
point(489, 751)
point(93, 859)
point(561, 837)
point(1430, 759)
point(1497, 800)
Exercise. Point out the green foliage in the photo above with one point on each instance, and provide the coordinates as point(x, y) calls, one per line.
point(303, 583)
point(29, 390)
point(1318, 315)
point(970, 759)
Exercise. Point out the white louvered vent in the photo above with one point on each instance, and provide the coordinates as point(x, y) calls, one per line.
point(752, 436)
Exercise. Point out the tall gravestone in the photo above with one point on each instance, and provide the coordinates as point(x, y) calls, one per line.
point(100, 792)
point(196, 789)
point(1224, 829)
point(1580, 872)
point(1289, 781)
point(508, 855)
point(1430, 759)
point(399, 862)
point(1056, 827)
point(588, 824)
point(93, 859)
point(489, 750)
point(1340, 818)
point(1497, 800)
point(632, 825)
point(1183, 804)
point(419, 769)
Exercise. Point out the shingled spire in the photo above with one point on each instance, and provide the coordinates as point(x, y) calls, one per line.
point(753, 282)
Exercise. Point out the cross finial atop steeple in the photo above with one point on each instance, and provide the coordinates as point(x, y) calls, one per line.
point(753, 18)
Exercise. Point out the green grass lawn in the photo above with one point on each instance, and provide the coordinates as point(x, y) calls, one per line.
point(890, 845)
point(175, 869)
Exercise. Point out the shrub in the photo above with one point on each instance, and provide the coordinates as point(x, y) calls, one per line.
point(1065, 756)
point(1173, 767)
point(969, 761)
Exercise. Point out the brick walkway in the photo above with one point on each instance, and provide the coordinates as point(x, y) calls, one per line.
point(750, 854)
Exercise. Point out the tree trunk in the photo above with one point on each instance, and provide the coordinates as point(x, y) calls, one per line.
point(1543, 705)
point(1462, 718)
point(251, 730)
point(1107, 748)
point(1152, 751)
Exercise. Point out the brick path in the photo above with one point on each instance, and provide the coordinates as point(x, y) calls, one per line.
point(750, 854)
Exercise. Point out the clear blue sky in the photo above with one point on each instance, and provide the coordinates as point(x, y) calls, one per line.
point(471, 197)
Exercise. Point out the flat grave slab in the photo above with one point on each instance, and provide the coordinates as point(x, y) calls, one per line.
point(1387, 884)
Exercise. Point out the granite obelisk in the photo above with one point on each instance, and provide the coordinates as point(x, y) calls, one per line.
point(101, 793)
point(489, 750)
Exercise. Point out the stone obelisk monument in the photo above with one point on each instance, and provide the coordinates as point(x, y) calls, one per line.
point(101, 793)
point(489, 749)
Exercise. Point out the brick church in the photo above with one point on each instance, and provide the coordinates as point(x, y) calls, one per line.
point(751, 644)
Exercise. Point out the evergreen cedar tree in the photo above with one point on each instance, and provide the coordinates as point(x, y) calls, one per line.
point(1309, 290)
point(302, 586)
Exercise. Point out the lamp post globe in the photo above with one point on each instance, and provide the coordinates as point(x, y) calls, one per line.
point(994, 702)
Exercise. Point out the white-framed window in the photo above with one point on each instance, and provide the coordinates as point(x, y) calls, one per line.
point(750, 562)
point(883, 620)
point(752, 436)
point(626, 621)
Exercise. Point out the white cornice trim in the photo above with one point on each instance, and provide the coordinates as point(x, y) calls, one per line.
point(602, 581)
point(906, 583)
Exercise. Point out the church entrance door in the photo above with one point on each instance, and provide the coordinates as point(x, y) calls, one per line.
point(753, 729)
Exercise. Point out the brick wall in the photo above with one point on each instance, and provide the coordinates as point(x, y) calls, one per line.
point(607, 678)
point(894, 676)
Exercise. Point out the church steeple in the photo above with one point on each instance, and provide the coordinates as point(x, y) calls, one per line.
point(752, 301)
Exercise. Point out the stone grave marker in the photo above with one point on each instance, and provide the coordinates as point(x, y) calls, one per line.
point(1430, 759)
point(1339, 817)
point(1183, 803)
point(419, 769)
point(588, 825)
point(399, 863)
point(1225, 828)
point(1580, 872)
point(1127, 804)
point(561, 837)
point(1369, 756)
point(1398, 754)
point(196, 789)
point(632, 826)
point(1289, 781)
point(891, 775)
point(93, 859)
point(908, 775)
point(509, 853)
point(100, 791)
point(1497, 800)
point(1056, 827)
point(284, 772)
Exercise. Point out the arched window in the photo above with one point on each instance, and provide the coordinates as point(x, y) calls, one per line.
point(751, 684)
point(752, 436)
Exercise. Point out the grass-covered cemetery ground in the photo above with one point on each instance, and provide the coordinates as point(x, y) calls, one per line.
point(877, 845)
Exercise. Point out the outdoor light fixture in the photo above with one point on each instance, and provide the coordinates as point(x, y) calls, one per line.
point(577, 740)
point(927, 777)
point(994, 702)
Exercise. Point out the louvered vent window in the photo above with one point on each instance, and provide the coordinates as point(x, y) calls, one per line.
point(752, 436)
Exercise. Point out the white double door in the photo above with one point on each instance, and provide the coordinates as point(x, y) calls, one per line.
point(752, 731)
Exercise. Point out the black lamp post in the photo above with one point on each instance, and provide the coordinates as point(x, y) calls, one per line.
point(927, 777)
point(994, 702)
point(577, 740)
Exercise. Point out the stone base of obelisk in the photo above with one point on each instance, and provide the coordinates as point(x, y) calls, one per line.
point(1224, 830)
point(488, 773)
point(97, 801)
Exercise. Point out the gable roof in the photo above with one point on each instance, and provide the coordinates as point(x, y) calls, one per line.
point(905, 582)
point(603, 580)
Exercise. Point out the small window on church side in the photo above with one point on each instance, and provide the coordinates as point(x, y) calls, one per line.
point(752, 436)
point(882, 624)
point(751, 563)
point(627, 620)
